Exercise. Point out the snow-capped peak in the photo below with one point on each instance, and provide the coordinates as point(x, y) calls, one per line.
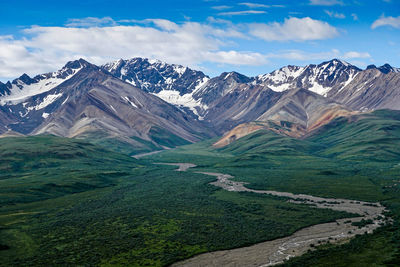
point(25, 86)
point(281, 79)
point(336, 61)
point(172, 82)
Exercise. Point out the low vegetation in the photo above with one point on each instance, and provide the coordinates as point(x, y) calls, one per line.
point(67, 202)
point(354, 158)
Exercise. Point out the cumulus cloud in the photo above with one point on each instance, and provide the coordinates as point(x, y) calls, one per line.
point(241, 13)
point(45, 49)
point(386, 21)
point(326, 2)
point(296, 29)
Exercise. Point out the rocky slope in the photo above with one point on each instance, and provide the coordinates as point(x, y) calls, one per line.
point(94, 104)
point(125, 99)
point(172, 83)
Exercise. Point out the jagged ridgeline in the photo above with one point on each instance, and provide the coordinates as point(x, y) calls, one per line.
point(130, 105)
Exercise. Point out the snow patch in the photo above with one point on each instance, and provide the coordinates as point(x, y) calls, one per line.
point(201, 83)
point(154, 61)
point(349, 80)
point(65, 101)
point(123, 71)
point(130, 102)
point(280, 80)
point(319, 89)
point(179, 69)
point(279, 88)
point(186, 100)
point(45, 115)
point(46, 101)
point(113, 108)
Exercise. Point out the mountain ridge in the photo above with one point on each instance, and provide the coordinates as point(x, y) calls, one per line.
point(126, 98)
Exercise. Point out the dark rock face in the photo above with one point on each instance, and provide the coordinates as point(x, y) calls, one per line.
point(25, 79)
point(386, 68)
point(5, 88)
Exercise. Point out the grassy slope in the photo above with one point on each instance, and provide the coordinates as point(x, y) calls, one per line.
point(46, 167)
point(357, 160)
point(67, 202)
point(161, 138)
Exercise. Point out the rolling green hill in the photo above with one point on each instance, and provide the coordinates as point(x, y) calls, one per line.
point(356, 158)
point(68, 202)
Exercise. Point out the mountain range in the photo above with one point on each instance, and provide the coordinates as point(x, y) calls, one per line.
point(140, 105)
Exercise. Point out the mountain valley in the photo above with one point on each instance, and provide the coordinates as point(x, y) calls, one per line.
point(73, 192)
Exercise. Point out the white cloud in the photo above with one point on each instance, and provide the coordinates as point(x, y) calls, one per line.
point(326, 2)
point(243, 12)
point(355, 16)
point(297, 29)
point(386, 21)
point(238, 58)
point(305, 56)
point(164, 24)
point(221, 7)
point(327, 55)
point(257, 5)
point(90, 22)
point(354, 54)
point(333, 14)
point(43, 49)
point(254, 5)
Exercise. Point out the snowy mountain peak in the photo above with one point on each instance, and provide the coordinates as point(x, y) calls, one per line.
point(281, 79)
point(154, 76)
point(171, 82)
point(336, 61)
point(25, 86)
point(319, 78)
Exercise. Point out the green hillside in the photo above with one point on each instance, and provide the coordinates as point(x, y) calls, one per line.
point(67, 202)
point(354, 158)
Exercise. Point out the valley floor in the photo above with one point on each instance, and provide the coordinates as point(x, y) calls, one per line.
point(277, 251)
point(68, 202)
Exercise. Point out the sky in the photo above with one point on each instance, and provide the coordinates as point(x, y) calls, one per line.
point(250, 37)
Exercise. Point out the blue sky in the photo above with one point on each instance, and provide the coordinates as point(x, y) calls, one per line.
point(251, 37)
